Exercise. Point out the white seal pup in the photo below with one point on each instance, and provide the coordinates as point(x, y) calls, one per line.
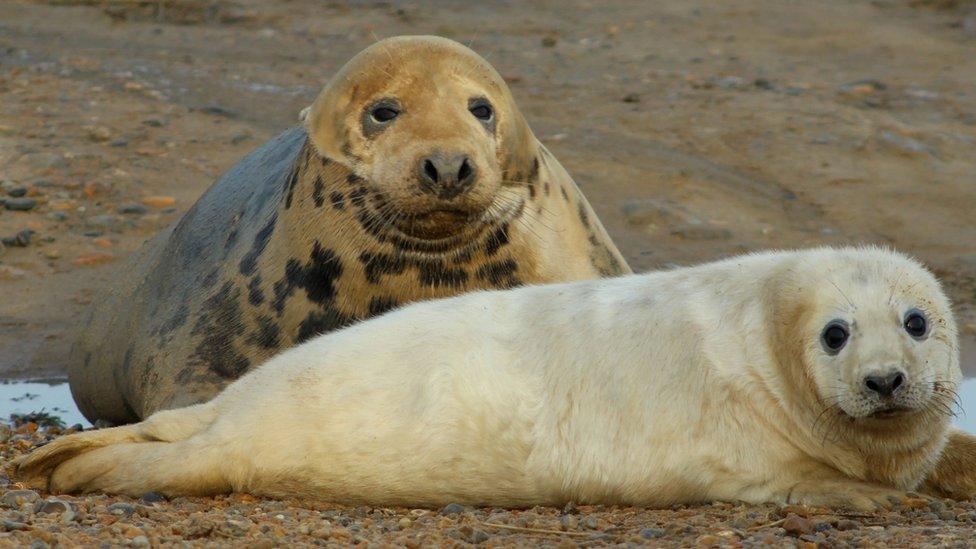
point(818, 377)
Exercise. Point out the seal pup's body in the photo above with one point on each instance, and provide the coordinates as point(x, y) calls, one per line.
point(413, 177)
point(691, 385)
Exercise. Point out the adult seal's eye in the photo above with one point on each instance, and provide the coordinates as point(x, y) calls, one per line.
point(482, 111)
point(384, 114)
point(835, 336)
point(915, 323)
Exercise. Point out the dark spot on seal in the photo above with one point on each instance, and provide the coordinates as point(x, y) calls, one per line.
point(255, 295)
point(463, 257)
point(87, 360)
point(436, 274)
point(177, 320)
point(584, 217)
point(318, 276)
point(338, 201)
point(250, 261)
point(496, 240)
point(563, 191)
point(320, 322)
point(325, 161)
point(377, 265)
point(219, 324)
point(358, 196)
point(500, 273)
point(231, 239)
point(531, 190)
point(210, 279)
point(290, 186)
point(318, 187)
point(545, 188)
point(266, 335)
point(380, 305)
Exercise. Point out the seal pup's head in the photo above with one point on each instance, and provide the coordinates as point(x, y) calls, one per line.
point(869, 338)
point(433, 130)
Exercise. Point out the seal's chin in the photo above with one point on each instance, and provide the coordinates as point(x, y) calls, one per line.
point(890, 412)
point(438, 223)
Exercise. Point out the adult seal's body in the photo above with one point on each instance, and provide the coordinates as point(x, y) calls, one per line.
point(413, 177)
point(819, 377)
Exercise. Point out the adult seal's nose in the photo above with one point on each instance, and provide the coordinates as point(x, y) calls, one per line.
point(446, 175)
point(886, 384)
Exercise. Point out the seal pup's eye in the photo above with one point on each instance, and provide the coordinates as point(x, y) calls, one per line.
point(834, 336)
point(481, 110)
point(915, 323)
point(383, 114)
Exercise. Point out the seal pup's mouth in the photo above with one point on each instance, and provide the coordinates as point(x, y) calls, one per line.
point(891, 412)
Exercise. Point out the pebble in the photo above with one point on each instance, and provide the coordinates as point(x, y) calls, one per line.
point(20, 204)
point(763, 84)
point(701, 231)
point(121, 509)
point(57, 216)
point(153, 122)
point(152, 497)
point(569, 522)
point(631, 98)
point(95, 258)
point(104, 221)
point(99, 134)
point(11, 525)
point(847, 524)
point(591, 523)
point(797, 526)
point(16, 498)
point(159, 201)
point(452, 509)
point(549, 41)
point(903, 144)
point(17, 192)
point(131, 208)
point(43, 160)
point(218, 110)
point(139, 541)
point(646, 211)
point(20, 240)
point(53, 506)
point(652, 533)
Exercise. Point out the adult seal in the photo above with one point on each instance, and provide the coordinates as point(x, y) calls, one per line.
point(414, 176)
point(816, 377)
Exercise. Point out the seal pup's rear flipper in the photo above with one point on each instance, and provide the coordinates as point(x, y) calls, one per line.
point(37, 468)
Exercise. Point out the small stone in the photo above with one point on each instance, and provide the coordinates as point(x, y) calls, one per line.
point(240, 138)
point(652, 533)
point(404, 523)
point(20, 240)
point(159, 201)
point(17, 192)
point(15, 498)
point(152, 497)
point(863, 87)
point(20, 204)
point(218, 110)
point(646, 212)
point(569, 522)
point(548, 41)
point(797, 526)
point(9, 273)
point(847, 524)
point(132, 209)
point(452, 509)
point(121, 509)
point(479, 536)
point(153, 122)
point(730, 83)
point(10, 525)
point(903, 144)
point(631, 98)
point(708, 540)
point(53, 506)
point(120, 142)
point(763, 84)
point(139, 541)
point(590, 523)
point(42, 160)
point(57, 216)
point(701, 231)
point(99, 134)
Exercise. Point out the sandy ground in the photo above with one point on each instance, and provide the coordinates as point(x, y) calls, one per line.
point(697, 130)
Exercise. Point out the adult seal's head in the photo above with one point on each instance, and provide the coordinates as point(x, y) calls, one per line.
point(413, 176)
point(434, 131)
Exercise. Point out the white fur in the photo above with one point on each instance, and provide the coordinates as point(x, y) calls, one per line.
point(648, 389)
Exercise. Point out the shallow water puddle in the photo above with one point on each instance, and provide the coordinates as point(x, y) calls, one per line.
point(53, 398)
point(19, 397)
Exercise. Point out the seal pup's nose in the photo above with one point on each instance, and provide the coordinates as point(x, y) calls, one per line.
point(446, 175)
point(885, 384)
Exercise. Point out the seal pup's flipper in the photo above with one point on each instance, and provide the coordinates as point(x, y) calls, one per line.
point(39, 467)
